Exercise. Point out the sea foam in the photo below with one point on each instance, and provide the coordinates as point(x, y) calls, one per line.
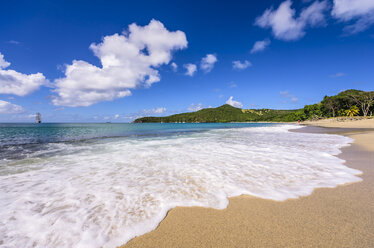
point(103, 193)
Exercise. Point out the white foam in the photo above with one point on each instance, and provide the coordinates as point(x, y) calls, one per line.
point(105, 193)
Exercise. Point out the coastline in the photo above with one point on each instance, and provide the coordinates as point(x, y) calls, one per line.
point(338, 217)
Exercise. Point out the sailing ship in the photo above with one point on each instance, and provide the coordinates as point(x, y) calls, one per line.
point(38, 118)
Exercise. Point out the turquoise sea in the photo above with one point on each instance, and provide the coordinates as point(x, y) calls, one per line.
point(19, 140)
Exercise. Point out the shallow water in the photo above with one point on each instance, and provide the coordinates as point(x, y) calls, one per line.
point(99, 185)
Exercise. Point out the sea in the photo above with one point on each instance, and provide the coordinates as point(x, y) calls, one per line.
point(100, 185)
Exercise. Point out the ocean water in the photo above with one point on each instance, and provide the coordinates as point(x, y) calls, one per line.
point(99, 185)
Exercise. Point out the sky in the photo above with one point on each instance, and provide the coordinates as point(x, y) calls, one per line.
point(100, 61)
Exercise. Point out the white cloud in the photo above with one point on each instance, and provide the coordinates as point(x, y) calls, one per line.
point(361, 12)
point(132, 117)
point(286, 94)
point(195, 107)
point(158, 110)
point(234, 103)
point(260, 45)
point(339, 74)
point(233, 84)
point(15, 83)
point(349, 9)
point(144, 112)
point(58, 108)
point(3, 63)
point(174, 66)
point(14, 42)
point(116, 116)
point(9, 108)
point(129, 60)
point(241, 65)
point(285, 26)
point(190, 69)
point(207, 63)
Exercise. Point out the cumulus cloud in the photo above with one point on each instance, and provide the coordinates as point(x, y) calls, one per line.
point(284, 24)
point(158, 110)
point(9, 108)
point(360, 12)
point(195, 107)
point(16, 83)
point(241, 65)
point(289, 96)
point(174, 66)
point(234, 103)
point(260, 45)
point(3, 63)
point(190, 69)
point(116, 116)
point(207, 63)
point(128, 61)
point(349, 9)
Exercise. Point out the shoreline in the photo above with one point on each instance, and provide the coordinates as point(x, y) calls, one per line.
point(335, 217)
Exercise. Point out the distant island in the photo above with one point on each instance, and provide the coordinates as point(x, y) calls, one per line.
point(346, 103)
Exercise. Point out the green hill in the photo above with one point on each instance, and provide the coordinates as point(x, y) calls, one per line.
point(226, 113)
point(349, 102)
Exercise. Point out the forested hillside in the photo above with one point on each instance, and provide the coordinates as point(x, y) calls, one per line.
point(346, 103)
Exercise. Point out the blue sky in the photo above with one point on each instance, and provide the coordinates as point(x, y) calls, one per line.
point(78, 61)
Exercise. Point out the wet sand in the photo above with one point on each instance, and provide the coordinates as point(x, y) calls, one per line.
point(339, 217)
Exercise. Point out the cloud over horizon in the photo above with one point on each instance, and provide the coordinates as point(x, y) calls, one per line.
point(287, 95)
point(234, 103)
point(129, 61)
point(10, 108)
point(159, 110)
point(195, 107)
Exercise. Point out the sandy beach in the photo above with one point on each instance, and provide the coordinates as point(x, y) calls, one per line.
point(338, 217)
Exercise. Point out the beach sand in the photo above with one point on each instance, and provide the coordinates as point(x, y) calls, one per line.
point(342, 123)
point(339, 217)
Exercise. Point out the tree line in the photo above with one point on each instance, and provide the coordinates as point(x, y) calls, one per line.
point(347, 103)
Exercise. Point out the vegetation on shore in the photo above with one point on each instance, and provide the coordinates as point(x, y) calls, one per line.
point(346, 103)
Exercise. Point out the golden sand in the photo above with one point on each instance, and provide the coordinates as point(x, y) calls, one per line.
point(342, 123)
point(339, 217)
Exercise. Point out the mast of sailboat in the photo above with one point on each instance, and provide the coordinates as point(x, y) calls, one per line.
point(38, 118)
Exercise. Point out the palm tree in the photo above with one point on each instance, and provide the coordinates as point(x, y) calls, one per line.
point(354, 110)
